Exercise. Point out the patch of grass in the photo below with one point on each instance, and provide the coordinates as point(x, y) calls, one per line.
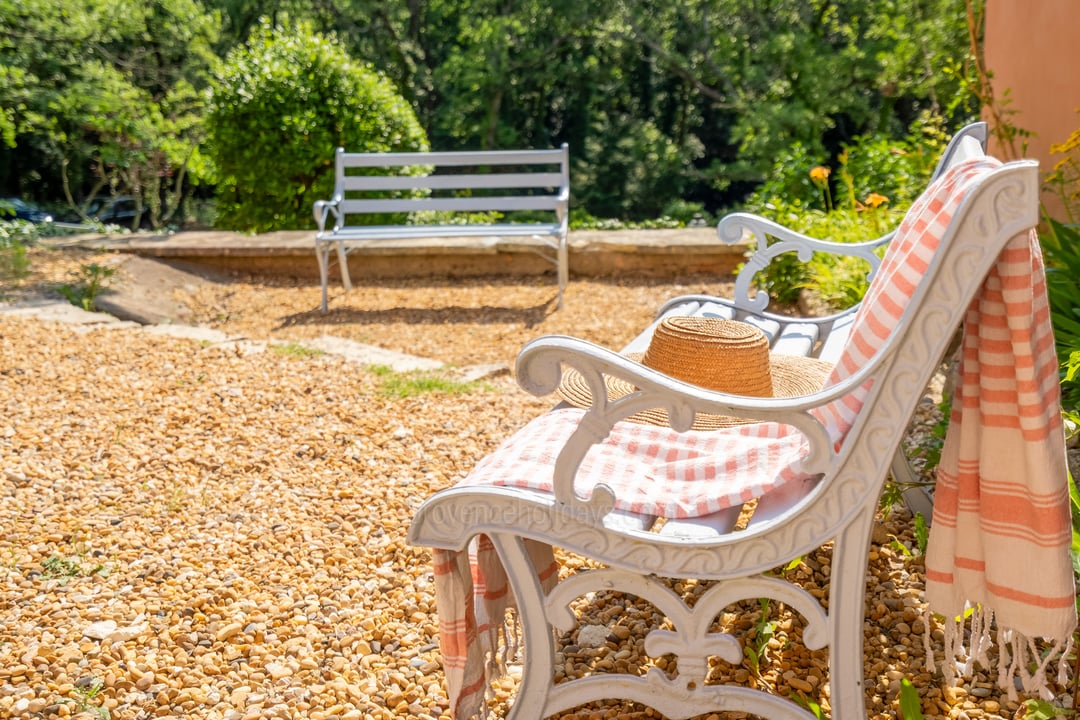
point(412, 384)
point(60, 567)
point(295, 350)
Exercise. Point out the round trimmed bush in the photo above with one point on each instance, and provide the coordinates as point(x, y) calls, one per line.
point(279, 108)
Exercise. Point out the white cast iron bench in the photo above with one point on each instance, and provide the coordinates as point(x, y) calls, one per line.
point(838, 508)
point(480, 181)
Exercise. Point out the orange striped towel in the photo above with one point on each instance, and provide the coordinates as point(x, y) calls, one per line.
point(1000, 537)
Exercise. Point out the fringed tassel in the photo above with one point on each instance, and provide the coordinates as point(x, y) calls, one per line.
point(1063, 663)
point(928, 648)
point(1017, 655)
point(1006, 663)
point(981, 639)
point(501, 643)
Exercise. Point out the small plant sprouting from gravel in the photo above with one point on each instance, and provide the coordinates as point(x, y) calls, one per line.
point(90, 280)
point(66, 568)
point(810, 705)
point(910, 704)
point(87, 691)
point(411, 384)
point(295, 350)
point(757, 650)
point(58, 567)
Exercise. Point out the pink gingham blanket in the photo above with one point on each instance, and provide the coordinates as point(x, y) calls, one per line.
point(658, 471)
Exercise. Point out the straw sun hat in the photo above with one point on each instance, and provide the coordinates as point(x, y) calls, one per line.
point(721, 355)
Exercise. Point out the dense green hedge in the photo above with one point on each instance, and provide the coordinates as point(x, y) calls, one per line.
point(280, 106)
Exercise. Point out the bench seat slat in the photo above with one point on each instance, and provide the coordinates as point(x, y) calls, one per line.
point(834, 344)
point(373, 183)
point(628, 521)
point(393, 232)
point(705, 527)
point(716, 310)
point(797, 339)
point(771, 328)
point(472, 204)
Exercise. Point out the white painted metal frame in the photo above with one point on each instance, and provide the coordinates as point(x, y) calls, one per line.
point(839, 508)
point(531, 185)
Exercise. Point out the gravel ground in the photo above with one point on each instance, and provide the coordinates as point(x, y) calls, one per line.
point(194, 531)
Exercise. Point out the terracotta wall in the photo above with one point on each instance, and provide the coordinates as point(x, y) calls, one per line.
point(1032, 47)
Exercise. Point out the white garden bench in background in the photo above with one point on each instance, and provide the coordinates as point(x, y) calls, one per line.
point(838, 508)
point(472, 182)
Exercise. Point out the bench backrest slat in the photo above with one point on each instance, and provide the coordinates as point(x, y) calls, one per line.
point(452, 182)
point(453, 158)
point(480, 204)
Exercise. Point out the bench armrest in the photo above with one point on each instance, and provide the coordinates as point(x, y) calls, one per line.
point(322, 210)
point(539, 371)
point(735, 227)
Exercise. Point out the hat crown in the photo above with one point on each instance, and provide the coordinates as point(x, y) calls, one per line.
point(713, 353)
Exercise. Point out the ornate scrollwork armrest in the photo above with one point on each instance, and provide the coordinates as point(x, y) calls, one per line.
point(734, 227)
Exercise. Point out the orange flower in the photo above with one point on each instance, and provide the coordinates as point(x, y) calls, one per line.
point(876, 200)
point(819, 174)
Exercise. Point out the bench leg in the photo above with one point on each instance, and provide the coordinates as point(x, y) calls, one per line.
point(324, 272)
point(539, 656)
point(346, 281)
point(847, 613)
point(915, 491)
point(562, 269)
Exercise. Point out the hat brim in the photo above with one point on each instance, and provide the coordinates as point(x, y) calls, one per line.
point(792, 376)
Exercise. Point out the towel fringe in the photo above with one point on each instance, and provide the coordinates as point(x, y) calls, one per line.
point(1020, 661)
point(501, 643)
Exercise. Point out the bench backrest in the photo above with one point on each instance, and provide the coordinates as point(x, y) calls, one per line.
point(477, 181)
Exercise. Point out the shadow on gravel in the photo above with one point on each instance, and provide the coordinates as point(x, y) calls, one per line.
point(525, 316)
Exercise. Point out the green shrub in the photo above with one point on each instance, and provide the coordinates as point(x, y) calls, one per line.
point(280, 106)
point(15, 237)
point(897, 168)
point(13, 261)
point(1061, 246)
point(836, 282)
point(788, 183)
point(874, 181)
point(688, 213)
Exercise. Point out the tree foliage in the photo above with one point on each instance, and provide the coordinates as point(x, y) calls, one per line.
point(101, 97)
point(280, 105)
point(659, 102)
